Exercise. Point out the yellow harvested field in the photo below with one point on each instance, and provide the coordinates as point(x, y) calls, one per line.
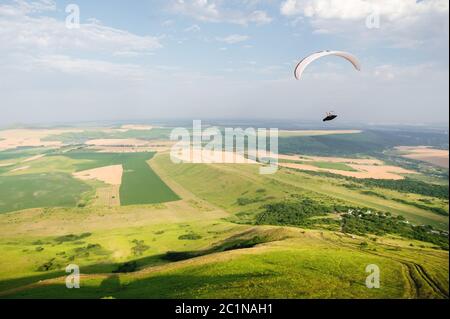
point(11, 139)
point(316, 132)
point(358, 161)
point(117, 142)
point(364, 168)
point(363, 171)
point(113, 130)
point(7, 164)
point(426, 154)
point(137, 127)
point(111, 175)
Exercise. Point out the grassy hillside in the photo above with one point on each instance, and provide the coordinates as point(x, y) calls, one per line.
point(224, 185)
point(306, 265)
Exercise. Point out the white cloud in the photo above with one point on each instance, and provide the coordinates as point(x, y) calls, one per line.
point(388, 72)
point(168, 23)
point(21, 7)
point(233, 39)
point(76, 66)
point(192, 28)
point(22, 32)
point(259, 17)
point(403, 23)
point(360, 9)
point(51, 73)
point(215, 11)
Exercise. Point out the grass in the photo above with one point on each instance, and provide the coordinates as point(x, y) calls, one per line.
point(21, 153)
point(140, 184)
point(120, 233)
point(46, 165)
point(222, 185)
point(220, 259)
point(308, 265)
point(43, 190)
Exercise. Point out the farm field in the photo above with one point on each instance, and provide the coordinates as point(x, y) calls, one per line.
point(140, 185)
point(31, 190)
point(51, 181)
point(361, 168)
point(426, 154)
point(19, 138)
point(141, 226)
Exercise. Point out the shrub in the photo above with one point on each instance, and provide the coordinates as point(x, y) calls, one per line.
point(126, 267)
point(139, 247)
point(191, 236)
point(71, 238)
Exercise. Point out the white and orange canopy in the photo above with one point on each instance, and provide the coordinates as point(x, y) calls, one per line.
point(303, 65)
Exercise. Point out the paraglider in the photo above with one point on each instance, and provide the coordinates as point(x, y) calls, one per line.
point(303, 65)
point(330, 116)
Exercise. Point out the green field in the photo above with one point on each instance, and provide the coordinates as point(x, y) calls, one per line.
point(43, 190)
point(140, 185)
point(48, 181)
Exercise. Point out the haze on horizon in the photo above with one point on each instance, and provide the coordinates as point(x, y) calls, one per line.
point(223, 59)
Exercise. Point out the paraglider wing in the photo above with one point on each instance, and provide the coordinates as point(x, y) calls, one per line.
point(301, 67)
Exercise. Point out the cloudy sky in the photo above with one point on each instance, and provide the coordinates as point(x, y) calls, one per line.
point(222, 59)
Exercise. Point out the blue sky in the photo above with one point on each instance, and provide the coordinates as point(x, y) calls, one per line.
point(222, 59)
